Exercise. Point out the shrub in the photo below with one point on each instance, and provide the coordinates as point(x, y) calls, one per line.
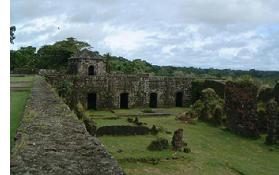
point(130, 120)
point(80, 112)
point(154, 130)
point(90, 126)
point(65, 88)
point(147, 110)
point(276, 92)
point(208, 108)
point(265, 94)
point(158, 144)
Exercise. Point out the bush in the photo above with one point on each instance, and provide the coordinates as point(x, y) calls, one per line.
point(276, 92)
point(208, 108)
point(80, 112)
point(265, 94)
point(154, 130)
point(198, 86)
point(158, 145)
point(65, 88)
point(147, 110)
point(90, 126)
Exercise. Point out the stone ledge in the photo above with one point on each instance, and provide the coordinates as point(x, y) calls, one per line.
point(51, 140)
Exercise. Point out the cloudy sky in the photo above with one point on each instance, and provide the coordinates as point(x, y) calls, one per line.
point(237, 34)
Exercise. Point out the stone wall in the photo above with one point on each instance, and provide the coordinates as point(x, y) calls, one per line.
point(81, 67)
point(51, 140)
point(109, 87)
point(241, 108)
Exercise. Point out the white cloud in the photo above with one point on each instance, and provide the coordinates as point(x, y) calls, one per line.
point(200, 33)
point(127, 40)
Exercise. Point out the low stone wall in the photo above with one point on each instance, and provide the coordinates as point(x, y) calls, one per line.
point(51, 140)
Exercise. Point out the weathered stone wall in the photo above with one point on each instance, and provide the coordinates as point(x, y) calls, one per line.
point(77, 66)
point(272, 123)
point(51, 140)
point(109, 87)
point(241, 108)
point(276, 92)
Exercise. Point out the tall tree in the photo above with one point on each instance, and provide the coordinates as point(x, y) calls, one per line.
point(56, 56)
point(12, 34)
point(25, 57)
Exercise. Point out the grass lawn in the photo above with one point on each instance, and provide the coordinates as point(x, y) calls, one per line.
point(18, 100)
point(214, 151)
point(23, 78)
point(17, 105)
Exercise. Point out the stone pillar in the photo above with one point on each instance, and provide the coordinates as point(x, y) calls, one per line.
point(177, 140)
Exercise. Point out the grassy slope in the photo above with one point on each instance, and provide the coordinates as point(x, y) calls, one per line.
point(214, 151)
point(18, 101)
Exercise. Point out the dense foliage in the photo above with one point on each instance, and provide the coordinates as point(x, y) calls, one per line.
point(209, 108)
point(12, 34)
point(55, 57)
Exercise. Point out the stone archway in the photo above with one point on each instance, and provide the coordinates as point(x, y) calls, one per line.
point(124, 100)
point(153, 100)
point(91, 70)
point(179, 99)
point(92, 101)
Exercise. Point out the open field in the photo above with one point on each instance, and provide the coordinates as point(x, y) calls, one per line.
point(18, 100)
point(214, 150)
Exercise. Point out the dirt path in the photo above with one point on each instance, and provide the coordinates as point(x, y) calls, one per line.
point(51, 140)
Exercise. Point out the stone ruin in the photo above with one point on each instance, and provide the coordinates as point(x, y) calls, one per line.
point(241, 108)
point(95, 88)
point(272, 123)
point(177, 140)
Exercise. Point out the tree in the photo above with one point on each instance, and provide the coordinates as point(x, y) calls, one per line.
point(25, 57)
point(56, 56)
point(12, 34)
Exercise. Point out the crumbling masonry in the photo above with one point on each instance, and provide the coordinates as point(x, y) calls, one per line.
point(94, 88)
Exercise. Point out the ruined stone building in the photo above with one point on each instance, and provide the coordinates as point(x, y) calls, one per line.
point(97, 89)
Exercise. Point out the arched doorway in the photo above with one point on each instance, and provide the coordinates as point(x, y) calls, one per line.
point(153, 100)
point(91, 70)
point(179, 99)
point(124, 100)
point(91, 101)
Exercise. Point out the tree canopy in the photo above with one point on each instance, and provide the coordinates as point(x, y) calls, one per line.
point(12, 34)
point(55, 56)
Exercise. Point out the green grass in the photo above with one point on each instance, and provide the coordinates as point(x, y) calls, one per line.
point(214, 151)
point(17, 105)
point(125, 112)
point(23, 78)
point(18, 101)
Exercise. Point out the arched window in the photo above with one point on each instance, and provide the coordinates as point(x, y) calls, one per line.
point(91, 70)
